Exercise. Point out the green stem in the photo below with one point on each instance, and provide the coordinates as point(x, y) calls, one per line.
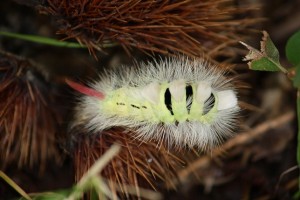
point(298, 140)
point(42, 40)
point(282, 69)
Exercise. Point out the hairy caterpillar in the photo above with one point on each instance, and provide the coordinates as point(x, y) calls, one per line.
point(180, 101)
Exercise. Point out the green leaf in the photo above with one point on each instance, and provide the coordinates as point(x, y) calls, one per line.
point(267, 59)
point(264, 64)
point(293, 55)
point(268, 48)
point(292, 49)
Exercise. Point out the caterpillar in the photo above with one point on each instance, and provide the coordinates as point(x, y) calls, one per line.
point(181, 101)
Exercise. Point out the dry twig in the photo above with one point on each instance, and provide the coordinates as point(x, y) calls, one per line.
point(239, 140)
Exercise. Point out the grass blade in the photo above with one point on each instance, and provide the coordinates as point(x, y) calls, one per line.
point(14, 185)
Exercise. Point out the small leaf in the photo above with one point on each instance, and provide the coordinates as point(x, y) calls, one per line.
point(267, 59)
point(268, 48)
point(264, 64)
point(292, 48)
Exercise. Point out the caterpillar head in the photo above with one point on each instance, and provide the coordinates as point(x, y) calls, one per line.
point(178, 101)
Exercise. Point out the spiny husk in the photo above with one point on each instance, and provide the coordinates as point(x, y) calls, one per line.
point(190, 27)
point(144, 165)
point(28, 123)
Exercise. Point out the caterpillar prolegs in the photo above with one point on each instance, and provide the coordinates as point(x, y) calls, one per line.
point(179, 101)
